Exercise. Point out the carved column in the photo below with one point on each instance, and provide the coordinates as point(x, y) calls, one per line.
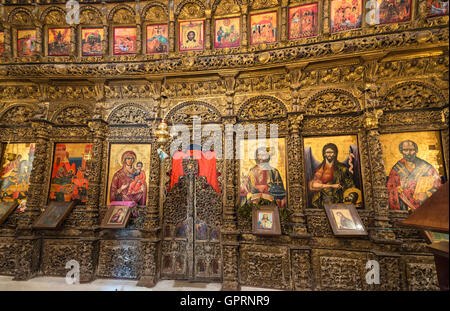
point(73, 41)
point(244, 23)
point(230, 234)
point(325, 27)
point(98, 128)
point(28, 245)
point(295, 164)
point(171, 28)
point(139, 45)
point(208, 30)
point(8, 40)
point(229, 79)
point(382, 230)
point(284, 20)
point(151, 226)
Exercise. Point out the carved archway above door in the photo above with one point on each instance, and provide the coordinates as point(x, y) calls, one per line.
point(185, 112)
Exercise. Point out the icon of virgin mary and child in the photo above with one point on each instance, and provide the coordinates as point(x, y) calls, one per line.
point(129, 183)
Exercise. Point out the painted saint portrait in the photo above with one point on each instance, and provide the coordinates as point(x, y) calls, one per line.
point(390, 11)
point(26, 42)
point(227, 33)
point(2, 43)
point(414, 167)
point(303, 21)
point(157, 38)
point(129, 173)
point(71, 165)
point(345, 15)
point(91, 41)
point(265, 220)
point(58, 41)
point(344, 219)
point(263, 28)
point(125, 40)
point(333, 170)
point(263, 171)
point(191, 36)
point(16, 167)
point(118, 215)
point(437, 7)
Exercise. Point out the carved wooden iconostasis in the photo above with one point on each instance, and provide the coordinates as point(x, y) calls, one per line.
point(365, 88)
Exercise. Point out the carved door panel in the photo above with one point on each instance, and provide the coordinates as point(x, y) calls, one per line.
point(208, 217)
point(191, 229)
point(176, 232)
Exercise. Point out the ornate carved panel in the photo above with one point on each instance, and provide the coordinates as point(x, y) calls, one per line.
point(119, 259)
point(262, 107)
point(265, 266)
point(7, 256)
point(185, 112)
point(412, 95)
point(332, 102)
point(338, 273)
point(129, 114)
point(72, 115)
point(17, 115)
point(421, 276)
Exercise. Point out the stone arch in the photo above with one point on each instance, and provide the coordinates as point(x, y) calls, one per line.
point(51, 9)
point(184, 3)
point(332, 101)
point(413, 95)
point(128, 114)
point(117, 8)
point(16, 114)
point(99, 15)
point(184, 112)
point(262, 107)
point(71, 114)
point(151, 5)
point(19, 10)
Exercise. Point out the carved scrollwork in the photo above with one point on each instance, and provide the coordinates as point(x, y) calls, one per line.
point(122, 14)
point(185, 112)
point(332, 102)
point(129, 114)
point(71, 115)
point(189, 9)
point(413, 95)
point(17, 114)
point(262, 107)
point(20, 16)
point(262, 4)
point(90, 15)
point(53, 16)
point(225, 7)
point(155, 12)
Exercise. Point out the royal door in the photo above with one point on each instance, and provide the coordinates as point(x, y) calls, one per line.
point(192, 215)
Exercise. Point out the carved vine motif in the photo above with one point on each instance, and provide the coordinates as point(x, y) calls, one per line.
point(412, 95)
point(224, 7)
point(19, 92)
point(340, 273)
point(332, 102)
point(156, 14)
point(262, 107)
point(185, 113)
point(129, 114)
point(89, 15)
point(262, 4)
point(421, 276)
point(190, 9)
point(55, 17)
point(72, 115)
point(17, 115)
point(124, 15)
